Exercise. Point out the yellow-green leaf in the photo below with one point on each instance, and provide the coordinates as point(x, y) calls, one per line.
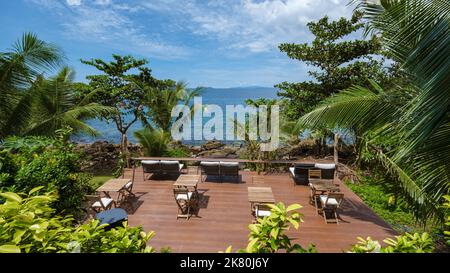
point(9, 249)
point(293, 207)
point(11, 196)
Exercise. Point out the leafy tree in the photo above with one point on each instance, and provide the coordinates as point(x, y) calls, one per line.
point(28, 59)
point(116, 88)
point(409, 136)
point(339, 64)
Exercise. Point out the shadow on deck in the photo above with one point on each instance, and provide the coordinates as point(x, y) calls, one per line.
point(224, 215)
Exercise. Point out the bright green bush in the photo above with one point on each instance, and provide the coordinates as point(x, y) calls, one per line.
point(447, 220)
point(56, 170)
point(31, 162)
point(28, 224)
point(406, 243)
point(268, 234)
point(8, 169)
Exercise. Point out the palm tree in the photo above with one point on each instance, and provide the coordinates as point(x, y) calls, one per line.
point(56, 106)
point(28, 58)
point(161, 102)
point(154, 142)
point(409, 136)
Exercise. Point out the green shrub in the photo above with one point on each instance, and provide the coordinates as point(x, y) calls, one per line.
point(268, 234)
point(177, 152)
point(56, 170)
point(406, 243)
point(8, 169)
point(28, 145)
point(28, 224)
point(447, 220)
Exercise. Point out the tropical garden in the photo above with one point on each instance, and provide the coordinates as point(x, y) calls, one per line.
point(388, 90)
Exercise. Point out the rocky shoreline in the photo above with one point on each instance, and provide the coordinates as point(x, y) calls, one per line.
point(102, 157)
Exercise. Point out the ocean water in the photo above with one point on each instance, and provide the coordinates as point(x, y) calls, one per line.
point(218, 96)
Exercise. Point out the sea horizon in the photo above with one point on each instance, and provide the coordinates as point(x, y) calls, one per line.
point(210, 95)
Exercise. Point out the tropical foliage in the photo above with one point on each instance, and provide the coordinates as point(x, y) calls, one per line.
point(338, 64)
point(406, 243)
point(268, 234)
point(55, 167)
point(56, 106)
point(19, 69)
point(34, 105)
point(160, 102)
point(404, 130)
point(154, 142)
point(28, 224)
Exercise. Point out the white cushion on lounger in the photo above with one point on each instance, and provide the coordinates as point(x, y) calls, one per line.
point(262, 213)
point(331, 201)
point(169, 162)
point(209, 163)
point(128, 185)
point(150, 161)
point(183, 196)
point(231, 164)
point(106, 201)
point(291, 169)
point(325, 166)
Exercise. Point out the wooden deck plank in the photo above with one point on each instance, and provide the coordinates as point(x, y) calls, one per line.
point(225, 214)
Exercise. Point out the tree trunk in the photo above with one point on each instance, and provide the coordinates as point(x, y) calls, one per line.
point(336, 151)
point(324, 146)
point(124, 148)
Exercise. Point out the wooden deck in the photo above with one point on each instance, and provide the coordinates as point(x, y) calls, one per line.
point(225, 214)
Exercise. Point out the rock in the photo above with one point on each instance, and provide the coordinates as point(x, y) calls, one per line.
point(212, 144)
point(195, 149)
point(102, 157)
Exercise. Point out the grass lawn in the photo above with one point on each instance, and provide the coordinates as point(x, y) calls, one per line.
point(97, 181)
point(379, 200)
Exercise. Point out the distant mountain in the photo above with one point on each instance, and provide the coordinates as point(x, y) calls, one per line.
point(241, 88)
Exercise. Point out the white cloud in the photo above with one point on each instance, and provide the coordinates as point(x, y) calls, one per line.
point(106, 22)
point(73, 2)
point(103, 2)
point(256, 26)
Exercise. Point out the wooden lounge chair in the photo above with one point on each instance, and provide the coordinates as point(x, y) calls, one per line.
point(171, 167)
point(185, 201)
point(209, 168)
point(98, 203)
point(331, 202)
point(229, 169)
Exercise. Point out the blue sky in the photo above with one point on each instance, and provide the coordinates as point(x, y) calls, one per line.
point(222, 43)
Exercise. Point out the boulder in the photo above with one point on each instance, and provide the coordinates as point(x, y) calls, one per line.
point(212, 145)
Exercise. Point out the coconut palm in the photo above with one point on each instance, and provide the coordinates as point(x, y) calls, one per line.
point(161, 102)
point(409, 136)
point(56, 106)
point(154, 142)
point(28, 58)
